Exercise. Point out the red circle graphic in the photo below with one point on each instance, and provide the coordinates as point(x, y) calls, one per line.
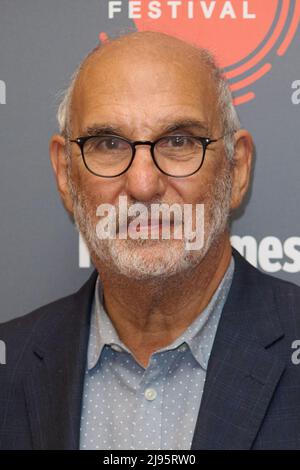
point(241, 34)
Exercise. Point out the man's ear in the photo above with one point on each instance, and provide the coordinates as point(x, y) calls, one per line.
point(242, 163)
point(58, 157)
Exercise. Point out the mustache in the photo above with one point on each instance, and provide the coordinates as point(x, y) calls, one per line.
point(146, 221)
point(146, 214)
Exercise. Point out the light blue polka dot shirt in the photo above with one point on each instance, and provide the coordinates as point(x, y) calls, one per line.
point(126, 406)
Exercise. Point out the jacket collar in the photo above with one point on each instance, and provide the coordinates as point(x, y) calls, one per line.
point(242, 371)
point(54, 385)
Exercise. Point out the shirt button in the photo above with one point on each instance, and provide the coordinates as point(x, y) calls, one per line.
point(115, 347)
point(150, 394)
point(182, 348)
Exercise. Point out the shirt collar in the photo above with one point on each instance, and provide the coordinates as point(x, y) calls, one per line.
point(201, 333)
point(199, 336)
point(102, 331)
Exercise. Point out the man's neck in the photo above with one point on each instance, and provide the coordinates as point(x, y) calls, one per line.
point(151, 315)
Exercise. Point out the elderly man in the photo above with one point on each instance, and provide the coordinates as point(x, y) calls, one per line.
point(163, 347)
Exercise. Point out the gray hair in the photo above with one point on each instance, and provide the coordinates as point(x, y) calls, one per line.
point(229, 118)
point(228, 115)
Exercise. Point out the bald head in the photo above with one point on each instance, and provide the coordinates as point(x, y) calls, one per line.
point(144, 59)
point(150, 45)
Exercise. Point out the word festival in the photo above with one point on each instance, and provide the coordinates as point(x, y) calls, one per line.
point(176, 8)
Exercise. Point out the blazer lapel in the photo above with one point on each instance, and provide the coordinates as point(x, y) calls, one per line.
point(242, 371)
point(54, 384)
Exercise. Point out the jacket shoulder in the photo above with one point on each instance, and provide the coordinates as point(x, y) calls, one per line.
point(255, 276)
point(20, 331)
point(269, 292)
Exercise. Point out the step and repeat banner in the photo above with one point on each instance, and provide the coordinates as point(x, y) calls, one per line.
point(257, 43)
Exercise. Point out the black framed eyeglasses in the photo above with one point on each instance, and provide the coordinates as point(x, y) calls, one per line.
point(109, 156)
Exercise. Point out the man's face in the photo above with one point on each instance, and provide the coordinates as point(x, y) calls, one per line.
point(140, 95)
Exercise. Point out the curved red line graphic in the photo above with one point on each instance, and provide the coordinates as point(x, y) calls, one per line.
point(291, 32)
point(244, 98)
point(252, 78)
point(264, 51)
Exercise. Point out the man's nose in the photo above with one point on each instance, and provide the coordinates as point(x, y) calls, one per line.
point(144, 180)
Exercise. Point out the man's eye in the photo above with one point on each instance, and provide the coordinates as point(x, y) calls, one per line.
point(176, 141)
point(104, 144)
point(110, 143)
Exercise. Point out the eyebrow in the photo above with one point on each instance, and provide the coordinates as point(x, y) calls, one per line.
point(187, 124)
point(179, 125)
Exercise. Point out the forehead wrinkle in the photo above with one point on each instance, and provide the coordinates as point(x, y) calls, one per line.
point(180, 125)
point(134, 115)
point(139, 125)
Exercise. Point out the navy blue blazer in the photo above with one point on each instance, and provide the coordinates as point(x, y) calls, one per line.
point(251, 398)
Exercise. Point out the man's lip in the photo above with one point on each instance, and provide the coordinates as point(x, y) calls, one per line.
point(151, 224)
point(156, 223)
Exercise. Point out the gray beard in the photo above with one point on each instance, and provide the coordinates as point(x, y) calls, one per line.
point(153, 259)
